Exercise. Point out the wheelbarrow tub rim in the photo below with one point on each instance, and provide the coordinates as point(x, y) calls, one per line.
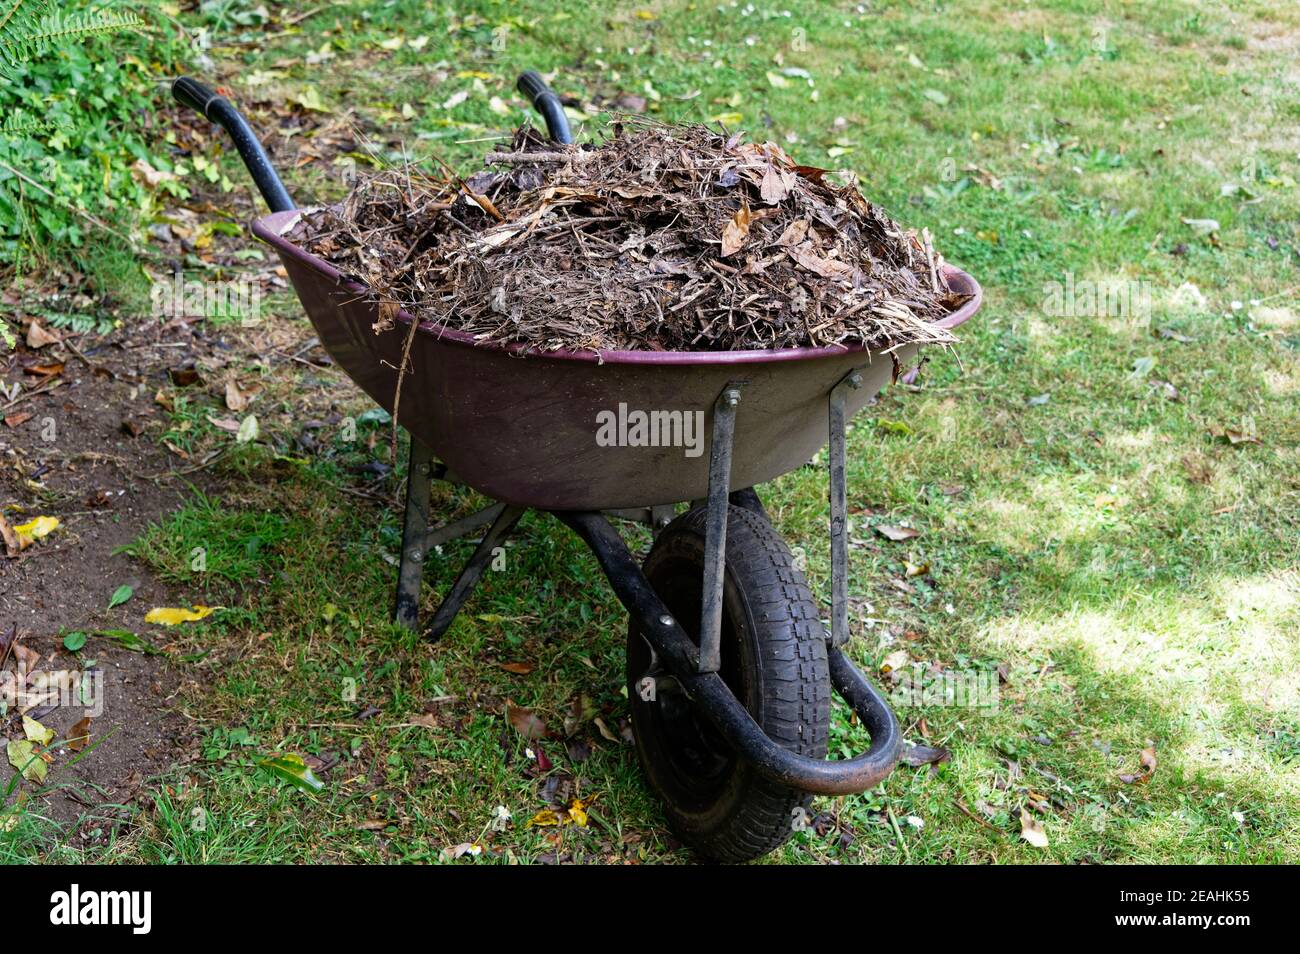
point(273, 228)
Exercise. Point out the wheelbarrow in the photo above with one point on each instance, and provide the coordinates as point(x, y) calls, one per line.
point(729, 664)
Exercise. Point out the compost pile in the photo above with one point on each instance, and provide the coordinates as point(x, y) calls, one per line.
point(662, 238)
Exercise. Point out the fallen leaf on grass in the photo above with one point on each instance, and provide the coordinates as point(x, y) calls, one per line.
point(1031, 830)
point(236, 399)
point(1147, 759)
point(916, 569)
point(525, 721)
point(919, 755)
point(464, 848)
point(895, 661)
point(518, 668)
point(897, 534)
point(575, 814)
point(248, 430)
point(1233, 436)
point(292, 769)
point(24, 757)
point(173, 616)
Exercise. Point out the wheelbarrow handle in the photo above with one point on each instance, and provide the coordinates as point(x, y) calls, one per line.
point(548, 104)
point(212, 105)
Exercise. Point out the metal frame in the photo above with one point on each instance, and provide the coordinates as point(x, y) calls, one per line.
point(677, 658)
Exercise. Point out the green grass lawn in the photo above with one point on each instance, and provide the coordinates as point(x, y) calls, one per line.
point(1108, 498)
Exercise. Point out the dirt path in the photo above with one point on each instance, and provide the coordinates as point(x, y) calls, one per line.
point(84, 452)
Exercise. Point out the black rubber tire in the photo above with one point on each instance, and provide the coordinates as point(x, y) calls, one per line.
point(773, 659)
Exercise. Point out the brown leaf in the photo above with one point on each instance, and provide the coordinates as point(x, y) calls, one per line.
point(896, 533)
point(38, 337)
point(13, 546)
point(17, 418)
point(236, 400)
point(919, 755)
point(132, 428)
point(79, 735)
point(737, 230)
point(183, 377)
point(45, 370)
point(794, 233)
point(776, 185)
point(830, 268)
point(1148, 758)
point(525, 721)
point(518, 668)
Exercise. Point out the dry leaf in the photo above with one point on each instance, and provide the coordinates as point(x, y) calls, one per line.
point(776, 185)
point(38, 337)
point(794, 233)
point(13, 545)
point(895, 660)
point(236, 400)
point(1031, 830)
point(737, 230)
point(806, 256)
point(518, 668)
point(897, 533)
point(525, 721)
point(35, 529)
point(79, 735)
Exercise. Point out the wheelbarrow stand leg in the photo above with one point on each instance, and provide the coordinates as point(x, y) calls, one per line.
point(469, 576)
point(415, 531)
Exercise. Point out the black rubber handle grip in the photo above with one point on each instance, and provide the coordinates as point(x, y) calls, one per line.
point(212, 106)
point(548, 104)
point(533, 86)
point(192, 93)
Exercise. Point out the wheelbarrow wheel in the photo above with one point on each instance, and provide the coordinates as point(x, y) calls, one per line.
point(773, 659)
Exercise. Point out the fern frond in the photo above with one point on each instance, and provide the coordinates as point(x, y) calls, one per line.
point(32, 28)
point(18, 123)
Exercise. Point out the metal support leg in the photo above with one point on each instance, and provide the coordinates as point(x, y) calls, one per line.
point(469, 576)
point(415, 528)
point(839, 511)
point(462, 527)
point(715, 537)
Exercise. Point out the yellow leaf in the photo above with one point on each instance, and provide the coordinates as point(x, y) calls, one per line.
point(172, 616)
point(37, 528)
point(36, 732)
point(545, 817)
point(578, 813)
point(474, 74)
point(727, 119)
